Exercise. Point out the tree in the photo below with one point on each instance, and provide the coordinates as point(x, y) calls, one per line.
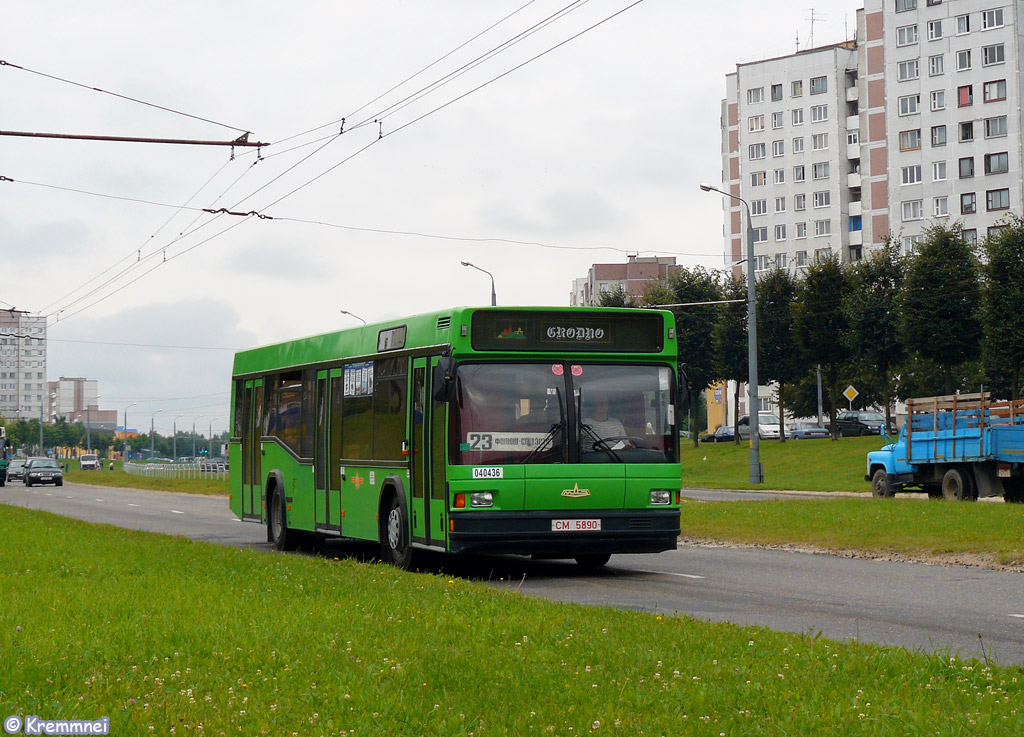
point(778, 357)
point(1003, 309)
point(873, 313)
point(694, 324)
point(617, 297)
point(729, 340)
point(821, 324)
point(940, 305)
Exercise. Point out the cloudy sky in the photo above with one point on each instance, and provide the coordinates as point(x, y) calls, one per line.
point(586, 151)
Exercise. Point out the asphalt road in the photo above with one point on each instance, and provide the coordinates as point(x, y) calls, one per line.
point(958, 609)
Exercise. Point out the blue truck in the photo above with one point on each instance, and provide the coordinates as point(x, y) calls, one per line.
point(958, 447)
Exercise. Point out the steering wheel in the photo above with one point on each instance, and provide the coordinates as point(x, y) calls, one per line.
point(605, 443)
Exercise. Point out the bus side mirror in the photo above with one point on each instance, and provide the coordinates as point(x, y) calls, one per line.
point(444, 379)
point(683, 395)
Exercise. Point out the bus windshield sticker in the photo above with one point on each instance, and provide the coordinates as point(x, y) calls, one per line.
point(504, 442)
point(557, 369)
point(491, 472)
point(663, 380)
point(392, 339)
point(577, 370)
point(359, 379)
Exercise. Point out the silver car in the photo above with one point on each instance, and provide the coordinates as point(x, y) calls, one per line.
point(768, 427)
point(806, 430)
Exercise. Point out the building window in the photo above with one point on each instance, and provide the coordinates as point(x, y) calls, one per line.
point(822, 227)
point(938, 100)
point(935, 65)
point(819, 141)
point(939, 171)
point(780, 204)
point(801, 256)
point(971, 237)
point(798, 145)
point(822, 199)
point(904, 5)
point(798, 173)
point(758, 207)
point(776, 121)
point(906, 35)
point(968, 203)
point(907, 70)
point(801, 230)
point(997, 199)
point(994, 91)
point(755, 95)
point(780, 258)
point(994, 230)
point(780, 232)
point(819, 85)
point(994, 54)
point(780, 176)
point(760, 235)
point(757, 179)
point(855, 223)
point(965, 95)
point(909, 104)
point(852, 137)
point(797, 88)
point(911, 174)
point(910, 140)
point(756, 151)
point(934, 30)
point(997, 163)
point(963, 60)
point(995, 127)
point(798, 116)
point(776, 92)
point(967, 167)
point(800, 202)
point(992, 18)
point(819, 113)
point(910, 242)
point(778, 148)
point(912, 210)
point(966, 131)
point(941, 209)
point(963, 24)
point(820, 170)
point(755, 123)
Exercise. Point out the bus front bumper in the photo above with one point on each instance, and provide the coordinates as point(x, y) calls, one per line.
point(565, 534)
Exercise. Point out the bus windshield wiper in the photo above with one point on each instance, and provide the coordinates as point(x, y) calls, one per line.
point(544, 441)
point(600, 443)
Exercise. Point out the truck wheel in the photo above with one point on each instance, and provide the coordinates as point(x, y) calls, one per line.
point(1013, 491)
point(880, 486)
point(957, 485)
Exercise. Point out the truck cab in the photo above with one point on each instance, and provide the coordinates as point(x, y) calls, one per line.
point(888, 469)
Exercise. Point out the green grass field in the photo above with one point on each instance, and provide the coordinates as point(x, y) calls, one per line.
point(168, 636)
point(120, 479)
point(796, 465)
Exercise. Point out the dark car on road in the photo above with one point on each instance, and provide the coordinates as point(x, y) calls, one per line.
point(860, 422)
point(16, 469)
point(806, 430)
point(724, 434)
point(43, 471)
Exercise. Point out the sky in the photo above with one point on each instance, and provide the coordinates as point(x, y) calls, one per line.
point(579, 133)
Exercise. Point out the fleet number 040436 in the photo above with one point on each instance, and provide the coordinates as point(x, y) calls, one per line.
point(575, 525)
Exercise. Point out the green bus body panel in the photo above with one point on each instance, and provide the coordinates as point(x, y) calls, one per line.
point(235, 479)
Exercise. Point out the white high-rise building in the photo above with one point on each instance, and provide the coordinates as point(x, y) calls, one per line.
point(22, 365)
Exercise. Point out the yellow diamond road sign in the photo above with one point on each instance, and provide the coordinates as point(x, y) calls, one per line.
point(850, 393)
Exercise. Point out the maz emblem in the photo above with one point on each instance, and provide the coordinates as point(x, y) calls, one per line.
point(575, 492)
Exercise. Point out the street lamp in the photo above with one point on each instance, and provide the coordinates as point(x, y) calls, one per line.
point(194, 436)
point(124, 448)
point(756, 472)
point(176, 437)
point(151, 421)
point(494, 298)
point(352, 314)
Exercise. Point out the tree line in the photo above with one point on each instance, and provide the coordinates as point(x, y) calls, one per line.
point(949, 317)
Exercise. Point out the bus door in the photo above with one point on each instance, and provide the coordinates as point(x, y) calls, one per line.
point(426, 458)
point(321, 455)
point(252, 430)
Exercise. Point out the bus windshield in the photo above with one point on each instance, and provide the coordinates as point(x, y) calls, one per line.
point(532, 413)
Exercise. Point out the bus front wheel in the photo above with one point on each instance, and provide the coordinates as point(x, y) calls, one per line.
point(280, 535)
point(397, 549)
point(593, 560)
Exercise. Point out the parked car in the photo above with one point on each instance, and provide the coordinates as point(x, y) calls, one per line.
point(43, 471)
point(89, 462)
point(16, 469)
point(768, 427)
point(724, 434)
point(806, 430)
point(860, 422)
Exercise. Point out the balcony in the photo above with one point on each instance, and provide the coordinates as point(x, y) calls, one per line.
point(853, 180)
point(856, 209)
point(856, 237)
point(853, 151)
point(852, 94)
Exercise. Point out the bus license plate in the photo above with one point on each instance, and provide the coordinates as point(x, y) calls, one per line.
point(575, 525)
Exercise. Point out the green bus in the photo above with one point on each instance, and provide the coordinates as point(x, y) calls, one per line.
point(549, 432)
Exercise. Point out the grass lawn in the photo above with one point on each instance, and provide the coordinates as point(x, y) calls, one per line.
point(168, 636)
point(799, 465)
point(118, 478)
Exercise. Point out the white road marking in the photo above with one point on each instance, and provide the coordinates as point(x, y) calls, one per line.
point(132, 505)
point(1018, 616)
point(97, 500)
point(49, 495)
point(669, 573)
point(175, 511)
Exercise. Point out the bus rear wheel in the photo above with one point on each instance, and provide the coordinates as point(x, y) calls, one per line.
point(395, 540)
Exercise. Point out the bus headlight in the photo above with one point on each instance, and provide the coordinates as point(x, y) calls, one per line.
point(661, 496)
point(481, 499)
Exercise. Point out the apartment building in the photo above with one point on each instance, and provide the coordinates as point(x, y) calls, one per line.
point(22, 365)
point(631, 277)
point(942, 115)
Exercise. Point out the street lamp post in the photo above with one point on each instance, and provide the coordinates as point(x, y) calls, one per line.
point(124, 447)
point(756, 472)
point(194, 437)
point(352, 314)
point(152, 421)
point(494, 297)
point(175, 441)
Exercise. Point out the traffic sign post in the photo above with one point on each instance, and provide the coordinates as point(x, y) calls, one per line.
point(850, 393)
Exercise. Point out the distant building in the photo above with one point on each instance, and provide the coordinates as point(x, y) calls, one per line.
point(22, 365)
point(76, 400)
point(632, 276)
